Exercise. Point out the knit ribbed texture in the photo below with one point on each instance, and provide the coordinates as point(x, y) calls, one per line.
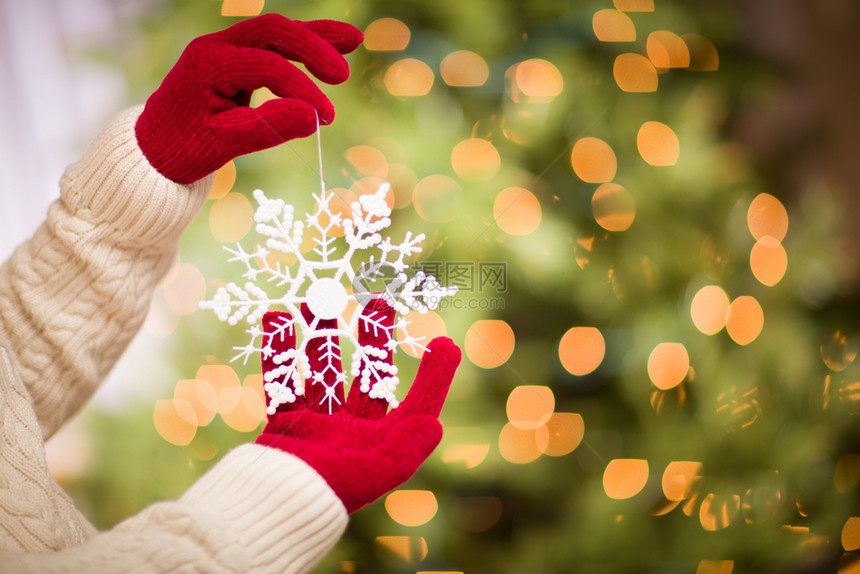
point(297, 518)
point(35, 514)
point(257, 510)
point(73, 296)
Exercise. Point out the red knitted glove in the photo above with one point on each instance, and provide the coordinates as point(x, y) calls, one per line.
point(199, 119)
point(359, 450)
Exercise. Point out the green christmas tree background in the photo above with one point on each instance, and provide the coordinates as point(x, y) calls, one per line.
point(648, 209)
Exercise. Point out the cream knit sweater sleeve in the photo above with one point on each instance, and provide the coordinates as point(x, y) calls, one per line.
point(73, 296)
point(71, 299)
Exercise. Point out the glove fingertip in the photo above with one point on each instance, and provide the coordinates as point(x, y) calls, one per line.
point(345, 38)
point(435, 373)
point(298, 116)
point(446, 350)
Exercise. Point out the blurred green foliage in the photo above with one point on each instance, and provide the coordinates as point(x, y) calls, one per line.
point(636, 288)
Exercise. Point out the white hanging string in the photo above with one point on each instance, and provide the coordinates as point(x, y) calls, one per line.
point(286, 142)
point(319, 156)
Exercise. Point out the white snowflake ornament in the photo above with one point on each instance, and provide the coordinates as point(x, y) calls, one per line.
point(323, 282)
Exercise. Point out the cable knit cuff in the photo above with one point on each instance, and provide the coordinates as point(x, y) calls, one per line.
point(283, 512)
point(96, 188)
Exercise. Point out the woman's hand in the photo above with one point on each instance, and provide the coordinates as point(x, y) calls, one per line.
point(361, 449)
point(200, 118)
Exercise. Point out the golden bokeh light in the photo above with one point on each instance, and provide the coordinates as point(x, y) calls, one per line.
point(255, 382)
point(367, 161)
point(476, 513)
point(409, 77)
point(425, 328)
point(530, 406)
point(175, 420)
point(392, 149)
point(664, 507)
point(634, 73)
point(614, 207)
point(470, 454)
point(517, 211)
point(669, 400)
point(403, 182)
point(407, 548)
point(717, 512)
point(657, 143)
point(767, 216)
point(489, 343)
point(849, 564)
point(634, 5)
point(161, 320)
point(709, 308)
point(703, 53)
point(613, 26)
point(436, 198)
point(464, 69)
point(715, 567)
point(565, 433)
point(386, 35)
point(534, 81)
point(593, 160)
point(691, 505)
point(768, 261)
point(184, 288)
point(763, 502)
point(680, 479)
point(411, 507)
point(845, 393)
point(69, 454)
point(231, 218)
point(846, 475)
point(581, 350)
point(744, 320)
point(242, 408)
point(668, 365)
point(242, 7)
point(625, 477)
point(219, 376)
point(738, 408)
point(851, 534)
point(839, 351)
point(799, 530)
point(522, 125)
point(582, 251)
point(475, 159)
point(225, 177)
point(201, 396)
point(229, 398)
point(521, 446)
point(667, 50)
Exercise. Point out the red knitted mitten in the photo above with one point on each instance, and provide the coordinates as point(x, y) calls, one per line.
point(200, 118)
point(361, 450)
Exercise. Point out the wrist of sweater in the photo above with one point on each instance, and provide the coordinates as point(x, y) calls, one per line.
point(115, 185)
point(280, 508)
